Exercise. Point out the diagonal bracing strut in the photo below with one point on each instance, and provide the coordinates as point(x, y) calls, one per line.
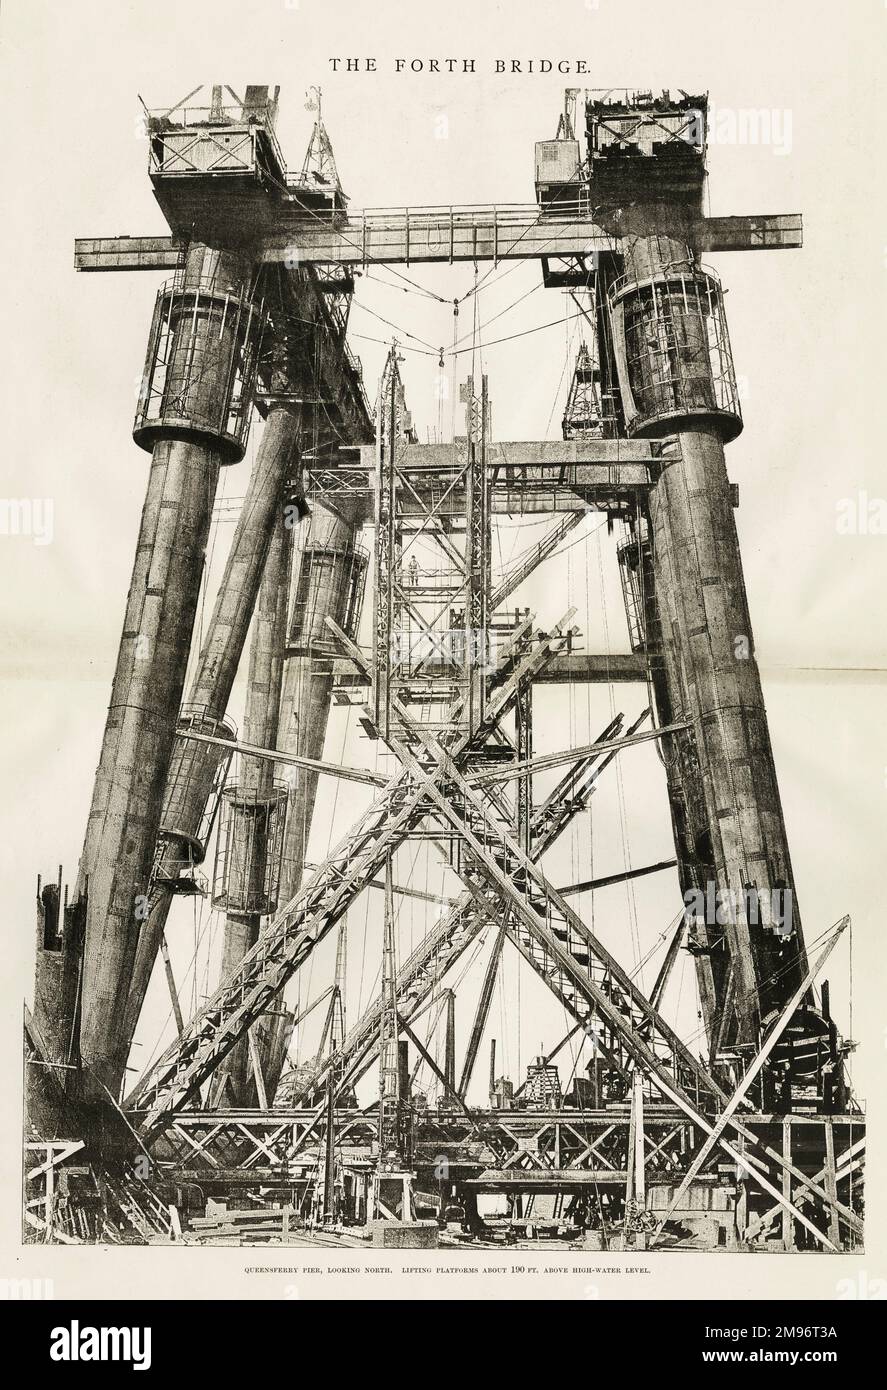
point(459, 928)
point(604, 986)
point(292, 936)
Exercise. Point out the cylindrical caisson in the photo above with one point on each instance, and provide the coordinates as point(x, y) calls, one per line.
point(673, 353)
point(635, 555)
point(331, 580)
point(193, 787)
point(248, 851)
point(59, 949)
point(201, 364)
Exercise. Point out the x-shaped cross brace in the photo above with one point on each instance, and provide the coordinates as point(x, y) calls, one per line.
point(465, 812)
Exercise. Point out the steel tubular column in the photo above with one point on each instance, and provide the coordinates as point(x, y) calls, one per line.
point(277, 460)
point(256, 787)
point(321, 590)
point(708, 651)
point(147, 690)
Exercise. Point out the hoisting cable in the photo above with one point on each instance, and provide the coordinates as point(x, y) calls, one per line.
point(512, 336)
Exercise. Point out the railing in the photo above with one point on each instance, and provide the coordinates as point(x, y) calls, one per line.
point(232, 115)
point(185, 116)
point(460, 214)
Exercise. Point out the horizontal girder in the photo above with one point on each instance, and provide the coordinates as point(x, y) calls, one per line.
point(411, 235)
point(571, 668)
point(491, 1147)
point(525, 477)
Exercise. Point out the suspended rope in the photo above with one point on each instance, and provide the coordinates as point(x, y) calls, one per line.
point(502, 312)
point(513, 336)
point(401, 332)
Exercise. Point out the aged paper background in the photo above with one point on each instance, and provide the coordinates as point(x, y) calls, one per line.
point(807, 333)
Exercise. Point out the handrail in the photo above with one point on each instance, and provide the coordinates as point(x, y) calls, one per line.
point(502, 215)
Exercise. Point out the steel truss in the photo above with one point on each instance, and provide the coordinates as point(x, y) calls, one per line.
point(481, 826)
point(291, 937)
point(526, 1151)
point(451, 677)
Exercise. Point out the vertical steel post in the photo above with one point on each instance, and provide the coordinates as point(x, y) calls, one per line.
point(390, 1156)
